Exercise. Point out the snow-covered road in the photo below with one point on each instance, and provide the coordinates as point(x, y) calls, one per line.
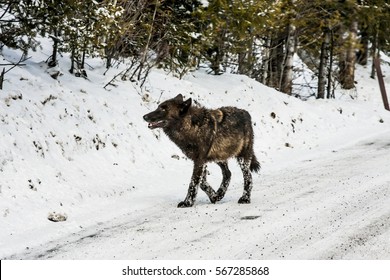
point(331, 206)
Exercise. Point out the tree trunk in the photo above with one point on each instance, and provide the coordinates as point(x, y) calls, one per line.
point(287, 75)
point(72, 60)
point(245, 58)
point(265, 62)
point(347, 73)
point(144, 54)
point(329, 93)
point(275, 63)
point(83, 72)
point(82, 64)
point(363, 51)
point(218, 53)
point(108, 58)
point(374, 52)
point(56, 40)
point(322, 73)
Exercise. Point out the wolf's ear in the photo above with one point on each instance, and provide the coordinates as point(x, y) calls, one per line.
point(179, 98)
point(185, 106)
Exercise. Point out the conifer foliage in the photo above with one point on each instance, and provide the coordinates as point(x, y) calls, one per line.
point(255, 38)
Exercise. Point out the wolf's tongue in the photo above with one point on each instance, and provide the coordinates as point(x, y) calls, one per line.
point(153, 125)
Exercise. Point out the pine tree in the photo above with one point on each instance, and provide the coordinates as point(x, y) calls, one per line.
point(80, 27)
point(18, 26)
point(231, 35)
point(89, 30)
point(374, 23)
point(158, 33)
point(317, 23)
point(176, 43)
point(290, 43)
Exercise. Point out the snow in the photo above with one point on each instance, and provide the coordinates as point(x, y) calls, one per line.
point(73, 149)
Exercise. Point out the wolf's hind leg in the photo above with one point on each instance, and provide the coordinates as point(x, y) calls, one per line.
point(226, 175)
point(245, 167)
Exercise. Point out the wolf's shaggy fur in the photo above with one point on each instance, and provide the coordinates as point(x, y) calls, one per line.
point(206, 135)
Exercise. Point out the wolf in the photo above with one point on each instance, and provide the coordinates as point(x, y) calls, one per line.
point(208, 135)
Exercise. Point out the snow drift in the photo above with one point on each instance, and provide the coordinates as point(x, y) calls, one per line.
point(71, 148)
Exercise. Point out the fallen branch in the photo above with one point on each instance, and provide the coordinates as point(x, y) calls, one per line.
point(22, 59)
point(2, 78)
point(110, 82)
point(19, 63)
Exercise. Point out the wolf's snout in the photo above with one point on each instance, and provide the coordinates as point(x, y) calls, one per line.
point(146, 117)
point(153, 122)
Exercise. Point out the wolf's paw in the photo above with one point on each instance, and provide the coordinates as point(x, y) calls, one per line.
point(216, 198)
point(184, 204)
point(213, 199)
point(244, 200)
point(220, 194)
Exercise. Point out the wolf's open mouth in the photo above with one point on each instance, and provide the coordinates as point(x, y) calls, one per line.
point(153, 125)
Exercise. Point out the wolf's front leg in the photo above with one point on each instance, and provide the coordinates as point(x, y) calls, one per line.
point(196, 180)
point(206, 187)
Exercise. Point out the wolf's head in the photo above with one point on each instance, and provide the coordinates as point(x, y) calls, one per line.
point(168, 112)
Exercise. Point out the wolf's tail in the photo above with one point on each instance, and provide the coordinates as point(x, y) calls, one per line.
point(255, 165)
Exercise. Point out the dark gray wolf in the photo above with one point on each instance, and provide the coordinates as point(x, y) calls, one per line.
point(204, 136)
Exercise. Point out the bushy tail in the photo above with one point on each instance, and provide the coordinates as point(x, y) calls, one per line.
point(255, 165)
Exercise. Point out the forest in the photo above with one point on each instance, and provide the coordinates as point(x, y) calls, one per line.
point(255, 38)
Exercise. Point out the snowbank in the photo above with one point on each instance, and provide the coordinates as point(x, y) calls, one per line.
point(70, 147)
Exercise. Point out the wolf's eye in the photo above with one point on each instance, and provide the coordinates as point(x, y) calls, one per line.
point(163, 108)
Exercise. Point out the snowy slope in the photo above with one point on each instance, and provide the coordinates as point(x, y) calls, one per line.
point(71, 147)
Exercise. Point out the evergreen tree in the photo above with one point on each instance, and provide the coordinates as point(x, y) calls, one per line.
point(81, 27)
point(230, 35)
point(318, 24)
point(255, 38)
point(88, 30)
point(159, 33)
point(18, 27)
point(374, 24)
point(176, 39)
